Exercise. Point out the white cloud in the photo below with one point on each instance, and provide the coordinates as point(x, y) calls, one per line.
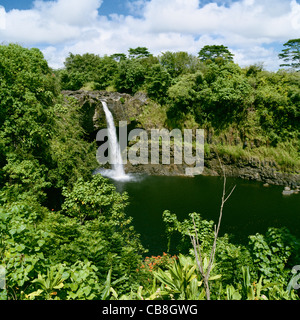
point(52, 22)
point(75, 12)
point(136, 7)
point(2, 18)
point(257, 54)
point(263, 18)
point(245, 26)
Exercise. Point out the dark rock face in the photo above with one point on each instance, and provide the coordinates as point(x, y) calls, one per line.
point(247, 171)
point(252, 170)
point(124, 107)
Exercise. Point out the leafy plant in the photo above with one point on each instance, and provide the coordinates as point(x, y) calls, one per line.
point(107, 290)
point(232, 293)
point(49, 284)
point(186, 228)
point(91, 199)
point(252, 291)
point(181, 280)
point(272, 252)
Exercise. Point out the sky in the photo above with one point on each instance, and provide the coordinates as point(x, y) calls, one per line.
point(254, 30)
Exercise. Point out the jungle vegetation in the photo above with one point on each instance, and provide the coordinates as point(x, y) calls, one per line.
point(64, 233)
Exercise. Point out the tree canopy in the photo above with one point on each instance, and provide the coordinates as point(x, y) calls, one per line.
point(51, 205)
point(64, 233)
point(291, 54)
point(215, 52)
point(139, 52)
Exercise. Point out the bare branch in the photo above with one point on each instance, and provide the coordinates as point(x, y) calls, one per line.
point(195, 240)
point(230, 194)
point(197, 249)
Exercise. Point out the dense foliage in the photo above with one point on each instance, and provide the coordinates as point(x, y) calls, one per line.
point(238, 107)
point(64, 233)
point(46, 166)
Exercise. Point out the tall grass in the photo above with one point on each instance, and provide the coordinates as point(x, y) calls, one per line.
point(285, 157)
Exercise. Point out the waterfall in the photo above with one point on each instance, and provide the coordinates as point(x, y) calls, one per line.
point(117, 172)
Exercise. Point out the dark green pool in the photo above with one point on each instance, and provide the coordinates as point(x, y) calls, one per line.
point(252, 208)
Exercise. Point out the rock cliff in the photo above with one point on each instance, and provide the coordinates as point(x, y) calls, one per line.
point(125, 107)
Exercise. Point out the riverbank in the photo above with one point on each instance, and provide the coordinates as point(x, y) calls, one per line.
point(264, 171)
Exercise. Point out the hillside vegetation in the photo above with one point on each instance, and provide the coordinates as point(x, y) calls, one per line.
point(249, 112)
point(64, 233)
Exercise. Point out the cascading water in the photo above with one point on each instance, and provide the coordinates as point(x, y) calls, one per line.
point(117, 172)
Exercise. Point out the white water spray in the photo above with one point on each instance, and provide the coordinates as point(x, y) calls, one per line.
point(117, 172)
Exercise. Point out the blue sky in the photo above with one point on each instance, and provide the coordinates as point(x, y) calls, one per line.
point(254, 30)
point(108, 6)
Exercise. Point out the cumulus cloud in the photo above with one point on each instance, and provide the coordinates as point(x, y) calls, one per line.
point(75, 12)
point(247, 27)
point(248, 18)
point(51, 22)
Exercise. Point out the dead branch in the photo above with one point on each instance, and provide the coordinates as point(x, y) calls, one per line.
point(195, 240)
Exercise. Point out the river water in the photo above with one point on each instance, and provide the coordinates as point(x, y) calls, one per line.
point(251, 209)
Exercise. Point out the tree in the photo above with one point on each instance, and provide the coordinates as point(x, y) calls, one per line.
point(28, 90)
point(139, 52)
point(177, 63)
point(88, 69)
point(87, 63)
point(276, 99)
point(130, 76)
point(79, 69)
point(225, 95)
point(183, 94)
point(106, 72)
point(158, 80)
point(214, 53)
point(118, 56)
point(291, 54)
point(42, 142)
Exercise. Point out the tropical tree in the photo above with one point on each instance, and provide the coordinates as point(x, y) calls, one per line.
point(119, 56)
point(89, 69)
point(291, 54)
point(139, 52)
point(214, 53)
point(158, 80)
point(225, 94)
point(28, 90)
point(130, 76)
point(177, 63)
